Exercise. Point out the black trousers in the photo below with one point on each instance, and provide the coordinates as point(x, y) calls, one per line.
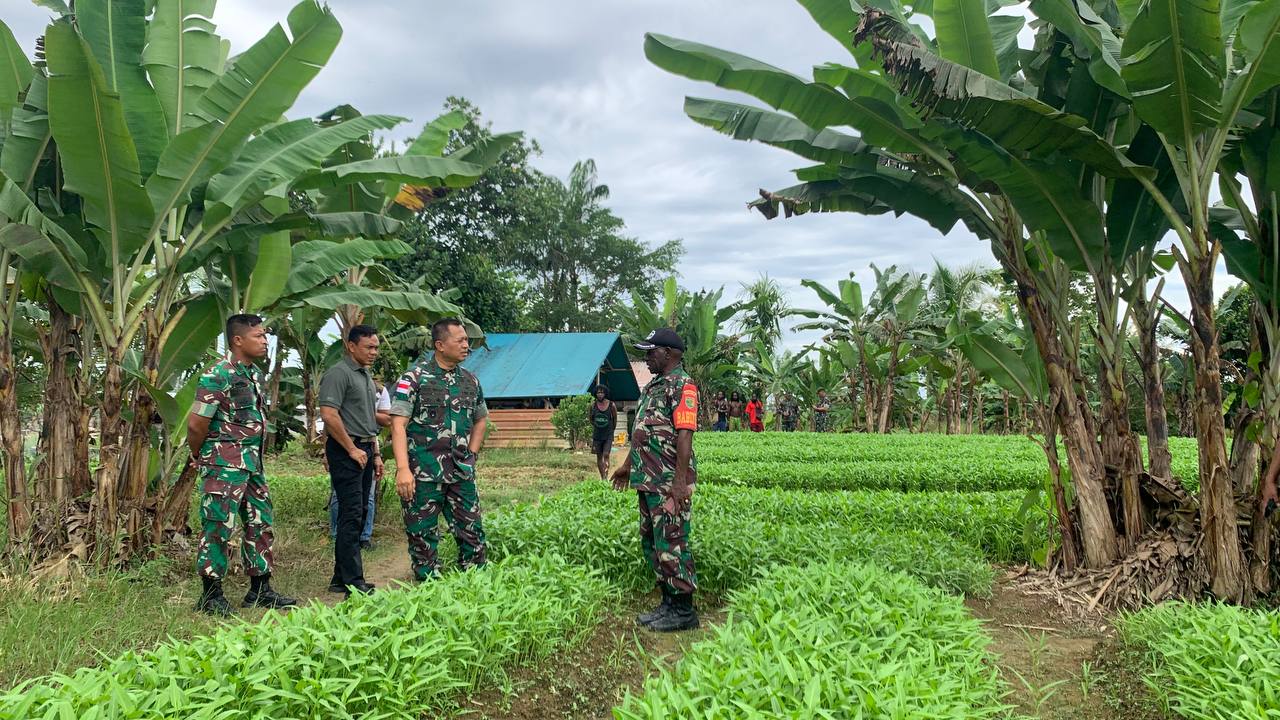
point(352, 485)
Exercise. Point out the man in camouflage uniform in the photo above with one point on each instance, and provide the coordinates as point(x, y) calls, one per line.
point(438, 417)
point(821, 412)
point(662, 469)
point(225, 432)
point(788, 412)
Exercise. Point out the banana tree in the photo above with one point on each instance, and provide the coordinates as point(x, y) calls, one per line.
point(138, 153)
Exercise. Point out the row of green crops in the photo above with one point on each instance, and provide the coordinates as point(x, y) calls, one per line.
point(1210, 662)
point(390, 655)
point(832, 640)
point(902, 462)
point(738, 532)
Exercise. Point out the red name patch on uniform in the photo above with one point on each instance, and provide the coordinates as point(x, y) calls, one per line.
point(686, 414)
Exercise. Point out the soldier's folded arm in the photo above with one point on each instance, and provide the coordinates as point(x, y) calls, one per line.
point(211, 395)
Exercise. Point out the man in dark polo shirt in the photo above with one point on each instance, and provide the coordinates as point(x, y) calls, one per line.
point(348, 402)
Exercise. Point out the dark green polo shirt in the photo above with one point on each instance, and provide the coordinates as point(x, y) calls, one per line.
point(348, 387)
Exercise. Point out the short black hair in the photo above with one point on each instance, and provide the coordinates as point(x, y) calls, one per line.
point(360, 332)
point(237, 325)
point(601, 388)
point(438, 328)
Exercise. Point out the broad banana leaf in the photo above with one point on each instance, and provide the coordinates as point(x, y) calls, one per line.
point(435, 136)
point(94, 145)
point(1004, 33)
point(742, 122)
point(964, 36)
point(183, 57)
point(279, 155)
point(116, 32)
point(416, 170)
point(1173, 66)
point(270, 271)
point(191, 338)
point(1014, 120)
point(1013, 370)
point(28, 134)
point(1091, 38)
point(815, 104)
point(1259, 45)
point(262, 85)
point(15, 72)
point(321, 225)
point(317, 261)
point(45, 248)
point(422, 308)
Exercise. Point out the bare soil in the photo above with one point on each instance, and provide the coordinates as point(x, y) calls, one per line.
point(1060, 667)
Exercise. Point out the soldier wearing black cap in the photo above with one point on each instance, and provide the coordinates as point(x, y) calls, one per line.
point(661, 468)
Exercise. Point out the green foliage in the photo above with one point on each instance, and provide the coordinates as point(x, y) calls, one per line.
point(902, 462)
point(1211, 661)
point(832, 640)
point(739, 532)
point(394, 654)
point(572, 419)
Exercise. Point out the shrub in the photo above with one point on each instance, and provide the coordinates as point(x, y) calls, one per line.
point(572, 419)
point(832, 640)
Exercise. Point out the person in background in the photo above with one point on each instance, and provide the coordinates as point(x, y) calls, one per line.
point(755, 414)
point(383, 413)
point(722, 412)
point(604, 420)
point(225, 431)
point(788, 412)
point(736, 408)
point(821, 412)
point(348, 404)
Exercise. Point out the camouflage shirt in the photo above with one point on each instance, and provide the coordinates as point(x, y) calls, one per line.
point(668, 403)
point(788, 408)
point(442, 406)
point(230, 395)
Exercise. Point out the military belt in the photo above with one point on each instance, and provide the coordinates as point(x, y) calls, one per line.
point(364, 440)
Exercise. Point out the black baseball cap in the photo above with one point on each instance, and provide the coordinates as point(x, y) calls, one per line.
point(662, 337)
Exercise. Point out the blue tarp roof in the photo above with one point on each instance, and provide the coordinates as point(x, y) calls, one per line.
point(533, 365)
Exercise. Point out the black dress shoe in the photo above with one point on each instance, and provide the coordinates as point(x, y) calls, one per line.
point(362, 588)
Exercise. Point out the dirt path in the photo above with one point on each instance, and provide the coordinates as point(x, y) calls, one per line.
point(1050, 661)
point(589, 679)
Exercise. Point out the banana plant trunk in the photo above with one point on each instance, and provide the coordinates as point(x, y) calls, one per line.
point(15, 471)
point(63, 472)
point(1159, 458)
point(111, 427)
point(136, 460)
point(277, 414)
point(886, 401)
point(1217, 503)
point(309, 402)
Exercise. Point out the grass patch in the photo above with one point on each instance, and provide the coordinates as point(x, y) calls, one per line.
point(832, 640)
point(1209, 661)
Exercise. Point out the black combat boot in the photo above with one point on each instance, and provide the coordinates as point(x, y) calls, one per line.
point(654, 614)
point(261, 595)
point(680, 616)
point(212, 601)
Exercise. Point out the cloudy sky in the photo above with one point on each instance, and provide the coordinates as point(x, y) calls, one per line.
point(572, 75)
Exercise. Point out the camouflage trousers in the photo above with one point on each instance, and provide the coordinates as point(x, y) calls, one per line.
point(460, 504)
point(789, 424)
point(225, 494)
point(820, 422)
point(664, 537)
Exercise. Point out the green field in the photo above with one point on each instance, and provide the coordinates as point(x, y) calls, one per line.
point(822, 602)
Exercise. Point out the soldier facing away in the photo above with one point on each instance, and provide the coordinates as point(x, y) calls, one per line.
point(438, 418)
point(788, 412)
point(226, 431)
point(662, 470)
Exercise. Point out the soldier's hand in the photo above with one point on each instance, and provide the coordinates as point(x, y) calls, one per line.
point(404, 484)
point(1269, 497)
point(681, 492)
point(361, 457)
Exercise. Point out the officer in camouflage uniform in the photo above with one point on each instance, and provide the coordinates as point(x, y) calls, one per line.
point(662, 469)
point(225, 432)
point(789, 412)
point(438, 417)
